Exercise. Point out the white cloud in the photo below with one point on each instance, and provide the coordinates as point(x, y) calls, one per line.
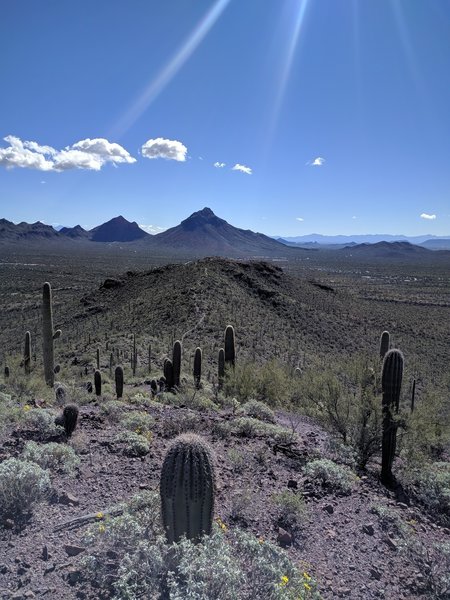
point(317, 162)
point(299, 218)
point(219, 165)
point(18, 155)
point(242, 169)
point(427, 216)
point(151, 228)
point(354, 217)
point(85, 154)
point(161, 148)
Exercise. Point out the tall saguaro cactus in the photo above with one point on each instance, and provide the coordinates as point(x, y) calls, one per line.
point(187, 489)
point(176, 362)
point(221, 367)
point(197, 367)
point(391, 382)
point(118, 376)
point(27, 353)
point(384, 343)
point(230, 350)
point(49, 335)
point(98, 383)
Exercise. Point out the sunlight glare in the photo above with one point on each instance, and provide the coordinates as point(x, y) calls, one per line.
point(168, 72)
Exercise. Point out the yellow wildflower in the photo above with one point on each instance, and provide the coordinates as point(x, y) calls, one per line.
point(99, 515)
point(261, 540)
point(101, 528)
point(221, 524)
point(27, 407)
point(284, 580)
point(307, 587)
point(306, 576)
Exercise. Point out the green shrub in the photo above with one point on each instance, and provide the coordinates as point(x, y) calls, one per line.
point(43, 421)
point(139, 422)
point(291, 509)
point(22, 484)
point(56, 457)
point(259, 410)
point(113, 408)
point(134, 444)
point(431, 485)
point(250, 427)
point(328, 475)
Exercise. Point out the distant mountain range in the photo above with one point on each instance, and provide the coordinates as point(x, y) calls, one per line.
point(205, 234)
point(316, 239)
point(201, 234)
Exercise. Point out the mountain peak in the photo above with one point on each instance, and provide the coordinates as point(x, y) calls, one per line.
point(117, 229)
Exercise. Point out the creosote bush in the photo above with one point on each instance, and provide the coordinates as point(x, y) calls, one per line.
point(22, 483)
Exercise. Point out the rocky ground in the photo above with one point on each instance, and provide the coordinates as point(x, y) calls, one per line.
point(341, 541)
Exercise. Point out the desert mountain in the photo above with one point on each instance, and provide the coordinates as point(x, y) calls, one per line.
point(388, 250)
point(10, 232)
point(205, 234)
point(76, 232)
point(117, 230)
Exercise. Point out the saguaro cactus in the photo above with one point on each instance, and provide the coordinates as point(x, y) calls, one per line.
point(98, 382)
point(48, 334)
point(230, 351)
point(391, 382)
point(187, 489)
point(197, 367)
point(149, 358)
point(384, 343)
point(176, 362)
point(118, 376)
point(221, 367)
point(27, 353)
point(98, 358)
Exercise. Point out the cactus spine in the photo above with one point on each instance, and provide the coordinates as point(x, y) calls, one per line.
point(384, 343)
point(118, 376)
point(391, 382)
point(230, 351)
point(221, 369)
point(49, 335)
point(176, 362)
point(197, 367)
point(98, 383)
point(187, 489)
point(27, 353)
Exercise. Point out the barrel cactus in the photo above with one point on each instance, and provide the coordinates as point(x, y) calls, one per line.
point(187, 489)
point(168, 374)
point(98, 382)
point(49, 335)
point(391, 382)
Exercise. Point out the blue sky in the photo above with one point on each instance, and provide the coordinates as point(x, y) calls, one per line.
point(328, 116)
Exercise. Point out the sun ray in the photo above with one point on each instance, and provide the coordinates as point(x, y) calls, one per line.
point(168, 72)
point(293, 18)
